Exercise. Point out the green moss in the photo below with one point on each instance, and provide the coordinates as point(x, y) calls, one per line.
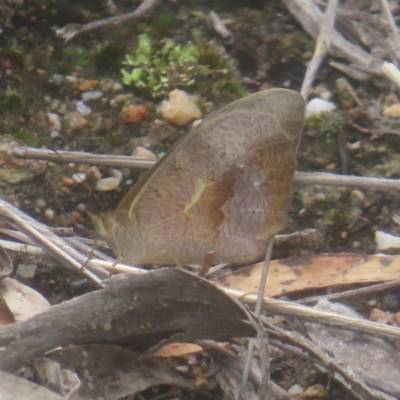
point(14, 54)
point(346, 95)
point(163, 25)
point(71, 58)
point(28, 138)
point(11, 101)
point(108, 56)
point(154, 71)
point(326, 126)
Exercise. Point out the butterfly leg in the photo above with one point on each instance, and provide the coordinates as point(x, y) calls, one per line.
point(208, 259)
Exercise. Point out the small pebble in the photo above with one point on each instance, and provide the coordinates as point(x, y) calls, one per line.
point(57, 79)
point(67, 181)
point(79, 177)
point(54, 134)
point(87, 85)
point(378, 315)
point(344, 235)
point(94, 172)
point(81, 207)
point(134, 114)
point(40, 203)
point(317, 106)
point(54, 122)
point(109, 85)
point(83, 109)
point(142, 152)
point(49, 214)
point(70, 79)
point(26, 271)
point(392, 112)
point(120, 99)
point(180, 109)
point(107, 184)
point(72, 120)
point(295, 390)
point(92, 95)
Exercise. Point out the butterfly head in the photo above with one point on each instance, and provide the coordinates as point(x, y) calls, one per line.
point(105, 226)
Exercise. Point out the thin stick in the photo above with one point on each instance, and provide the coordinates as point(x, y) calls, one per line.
point(299, 311)
point(71, 30)
point(321, 47)
point(257, 311)
point(391, 72)
point(388, 14)
point(300, 178)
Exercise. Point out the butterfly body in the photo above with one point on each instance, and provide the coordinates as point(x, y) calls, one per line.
point(224, 188)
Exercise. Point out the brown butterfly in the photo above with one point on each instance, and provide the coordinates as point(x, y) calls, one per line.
point(224, 188)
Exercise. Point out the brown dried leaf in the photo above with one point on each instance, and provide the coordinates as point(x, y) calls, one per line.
point(23, 302)
point(310, 272)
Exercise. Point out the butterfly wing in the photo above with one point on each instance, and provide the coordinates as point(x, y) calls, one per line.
point(225, 187)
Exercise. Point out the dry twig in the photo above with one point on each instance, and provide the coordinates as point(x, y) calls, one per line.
point(321, 47)
point(72, 30)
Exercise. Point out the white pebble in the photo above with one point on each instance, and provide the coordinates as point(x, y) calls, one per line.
point(142, 152)
point(79, 177)
point(81, 207)
point(70, 79)
point(180, 109)
point(295, 390)
point(83, 109)
point(26, 271)
point(54, 122)
point(40, 203)
point(49, 214)
point(386, 241)
point(54, 134)
point(92, 95)
point(106, 184)
point(317, 106)
point(71, 120)
point(57, 79)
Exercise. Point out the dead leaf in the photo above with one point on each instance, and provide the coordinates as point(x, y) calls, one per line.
point(23, 301)
point(6, 265)
point(178, 349)
point(310, 272)
point(51, 375)
point(359, 354)
point(15, 388)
